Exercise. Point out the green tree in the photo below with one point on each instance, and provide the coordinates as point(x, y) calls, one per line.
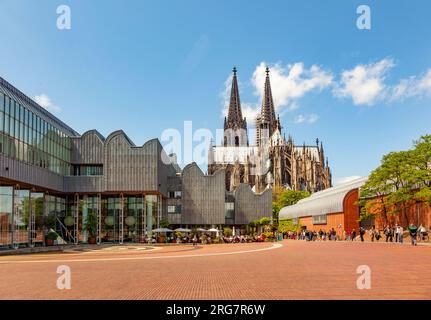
point(227, 231)
point(291, 197)
point(164, 223)
point(288, 225)
point(284, 198)
point(402, 179)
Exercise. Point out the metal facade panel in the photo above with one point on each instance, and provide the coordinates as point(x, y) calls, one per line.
point(90, 184)
point(88, 149)
point(29, 174)
point(250, 206)
point(202, 196)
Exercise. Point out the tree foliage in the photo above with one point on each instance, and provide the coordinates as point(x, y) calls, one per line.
point(402, 179)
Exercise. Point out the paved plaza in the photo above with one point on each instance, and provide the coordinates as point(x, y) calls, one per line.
point(285, 270)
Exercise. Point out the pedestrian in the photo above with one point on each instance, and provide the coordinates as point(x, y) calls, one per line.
point(422, 231)
point(353, 234)
point(334, 234)
point(372, 234)
point(413, 234)
point(400, 231)
point(388, 233)
point(195, 241)
point(361, 233)
point(377, 236)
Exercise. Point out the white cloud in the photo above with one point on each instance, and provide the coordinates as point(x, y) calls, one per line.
point(290, 83)
point(412, 86)
point(44, 101)
point(365, 83)
point(310, 118)
point(345, 179)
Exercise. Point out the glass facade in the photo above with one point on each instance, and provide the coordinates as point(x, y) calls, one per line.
point(27, 137)
point(6, 207)
point(26, 217)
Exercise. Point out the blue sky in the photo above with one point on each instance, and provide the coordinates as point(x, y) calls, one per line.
point(145, 66)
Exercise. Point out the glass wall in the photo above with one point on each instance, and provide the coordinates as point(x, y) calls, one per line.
point(6, 208)
point(133, 219)
point(56, 217)
point(29, 138)
point(21, 218)
point(152, 213)
point(37, 226)
point(27, 217)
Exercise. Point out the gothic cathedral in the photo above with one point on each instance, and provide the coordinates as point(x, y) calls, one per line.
point(273, 160)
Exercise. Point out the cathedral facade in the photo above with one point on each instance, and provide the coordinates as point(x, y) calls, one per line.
point(273, 160)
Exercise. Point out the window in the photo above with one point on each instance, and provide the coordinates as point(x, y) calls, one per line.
point(90, 170)
point(2, 101)
point(174, 209)
point(320, 219)
point(175, 194)
point(229, 210)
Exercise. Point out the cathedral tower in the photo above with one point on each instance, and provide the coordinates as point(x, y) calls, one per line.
point(235, 126)
point(266, 122)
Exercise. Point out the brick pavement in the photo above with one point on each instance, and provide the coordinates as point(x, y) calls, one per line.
point(297, 270)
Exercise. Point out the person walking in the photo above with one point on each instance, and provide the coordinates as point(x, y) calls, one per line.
point(353, 234)
point(413, 234)
point(372, 233)
point(400, 232)
point(361, 233)
point(422, 231)
point(388, 233)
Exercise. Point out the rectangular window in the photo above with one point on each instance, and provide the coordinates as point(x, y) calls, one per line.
point(6, 124)
point(319, 219)
point(2, 101)
point(16, 110)
point(174, 209)
point(229, 210)
point(7, 105)
point(11, 126)
point(21, 113)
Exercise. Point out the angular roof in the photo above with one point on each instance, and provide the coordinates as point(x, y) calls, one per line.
point(323, 202)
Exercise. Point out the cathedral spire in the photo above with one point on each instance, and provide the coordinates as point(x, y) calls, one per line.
point(234, 118)
point(267, 112)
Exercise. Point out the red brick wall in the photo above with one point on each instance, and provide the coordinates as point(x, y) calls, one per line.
point(419, 213)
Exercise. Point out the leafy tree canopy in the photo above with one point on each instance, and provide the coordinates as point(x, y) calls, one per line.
point(402, 178)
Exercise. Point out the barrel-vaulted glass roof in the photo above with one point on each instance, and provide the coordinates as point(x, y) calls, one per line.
point(323, 202)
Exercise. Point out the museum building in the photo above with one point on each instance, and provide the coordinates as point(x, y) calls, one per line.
point(52, 177)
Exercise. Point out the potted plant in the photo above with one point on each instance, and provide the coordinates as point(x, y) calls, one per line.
point(51, 237)
point(91, 227)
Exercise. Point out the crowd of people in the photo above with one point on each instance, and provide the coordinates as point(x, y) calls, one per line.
point(394, 233)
